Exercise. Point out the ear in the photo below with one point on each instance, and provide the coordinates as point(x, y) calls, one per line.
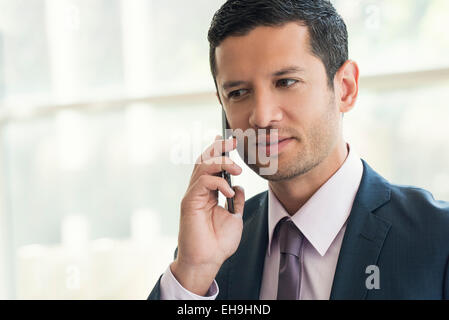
point(346, 84)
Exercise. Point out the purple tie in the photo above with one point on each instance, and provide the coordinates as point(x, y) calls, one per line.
point(290, 241)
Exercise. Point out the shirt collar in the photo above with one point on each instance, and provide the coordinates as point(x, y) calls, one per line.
point(321, 218)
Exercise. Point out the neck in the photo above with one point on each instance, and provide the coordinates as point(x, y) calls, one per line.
point(294, 193)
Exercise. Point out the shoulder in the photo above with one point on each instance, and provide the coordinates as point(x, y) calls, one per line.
point(401, 201)
point(418, 200)
point(417, 211)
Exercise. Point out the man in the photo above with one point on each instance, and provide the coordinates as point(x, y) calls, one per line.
point(329, 226)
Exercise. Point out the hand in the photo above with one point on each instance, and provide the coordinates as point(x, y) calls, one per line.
point(209, 234)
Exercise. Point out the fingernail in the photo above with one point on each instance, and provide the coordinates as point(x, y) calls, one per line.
point(238, 215)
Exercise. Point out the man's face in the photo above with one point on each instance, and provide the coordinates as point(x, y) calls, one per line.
point(269, 79)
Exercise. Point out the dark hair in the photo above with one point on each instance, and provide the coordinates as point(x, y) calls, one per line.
point(327, 30)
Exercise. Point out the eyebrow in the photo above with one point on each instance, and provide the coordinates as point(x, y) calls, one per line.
point(288, 70)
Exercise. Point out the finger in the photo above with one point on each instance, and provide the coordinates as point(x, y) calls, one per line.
point(239, 200)
point(216, 166)
point(207, 183)
point(217, 149)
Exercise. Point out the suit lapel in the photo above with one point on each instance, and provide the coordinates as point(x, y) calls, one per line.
point(246, 265)
point(364, 237)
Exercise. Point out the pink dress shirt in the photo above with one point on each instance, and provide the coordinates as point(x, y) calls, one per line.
point(322, 220)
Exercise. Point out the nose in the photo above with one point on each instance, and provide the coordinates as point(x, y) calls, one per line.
point(266, 109)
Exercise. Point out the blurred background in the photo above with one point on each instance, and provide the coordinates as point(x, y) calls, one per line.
point(105, 105)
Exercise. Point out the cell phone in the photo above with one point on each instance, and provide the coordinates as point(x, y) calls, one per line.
point(224, 174)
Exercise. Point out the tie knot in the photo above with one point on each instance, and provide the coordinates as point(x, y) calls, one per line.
point(290, 238)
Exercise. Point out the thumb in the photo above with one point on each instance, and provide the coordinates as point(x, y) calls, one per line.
point(239, 200)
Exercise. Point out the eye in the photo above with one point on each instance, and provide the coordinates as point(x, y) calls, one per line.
point(286, 82)
point(237, 94)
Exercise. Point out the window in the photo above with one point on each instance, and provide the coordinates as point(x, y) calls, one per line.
point(99, 97)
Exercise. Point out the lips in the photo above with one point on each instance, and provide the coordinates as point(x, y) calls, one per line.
point(275, 147)
point(272, 141)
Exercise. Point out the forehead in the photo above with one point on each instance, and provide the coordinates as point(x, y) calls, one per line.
point(264, 50)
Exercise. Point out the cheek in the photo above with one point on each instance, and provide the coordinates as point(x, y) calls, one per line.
point(326, 125)
point(314, 116)
point(306, 105)
point(235, 116)
point(239, 120)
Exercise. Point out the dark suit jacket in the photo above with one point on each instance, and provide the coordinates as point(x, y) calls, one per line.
point(402, 230)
